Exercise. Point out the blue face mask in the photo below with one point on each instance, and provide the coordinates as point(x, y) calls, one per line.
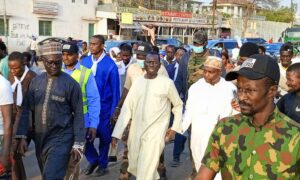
point(198, 49)
point(140, 63)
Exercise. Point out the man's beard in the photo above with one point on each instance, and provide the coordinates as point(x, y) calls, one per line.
point(294, 90)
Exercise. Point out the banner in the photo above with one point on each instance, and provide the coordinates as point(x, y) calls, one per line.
point(127, 18)
point(177, 14)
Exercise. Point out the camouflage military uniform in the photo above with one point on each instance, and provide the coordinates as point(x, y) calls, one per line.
point(194, 67)
point(242, 151)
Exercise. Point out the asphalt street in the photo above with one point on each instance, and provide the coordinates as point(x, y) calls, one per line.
point(181, 172)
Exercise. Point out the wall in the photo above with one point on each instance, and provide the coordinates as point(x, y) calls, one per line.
point(256, 28)
point(72, 21)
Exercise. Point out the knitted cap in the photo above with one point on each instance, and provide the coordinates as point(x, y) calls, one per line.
point(50, 48)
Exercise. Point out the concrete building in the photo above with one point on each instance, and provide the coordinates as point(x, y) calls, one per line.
point(47, 18)
point(232, 8)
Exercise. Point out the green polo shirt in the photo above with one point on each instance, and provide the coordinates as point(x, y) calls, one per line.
point(242, 151)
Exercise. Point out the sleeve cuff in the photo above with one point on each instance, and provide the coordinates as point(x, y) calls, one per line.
point(20, 137)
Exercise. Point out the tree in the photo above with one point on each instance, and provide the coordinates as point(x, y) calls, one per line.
point(254, 4)
point(282, 14)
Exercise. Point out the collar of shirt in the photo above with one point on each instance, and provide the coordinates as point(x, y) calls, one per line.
point(130, 62)
point(99, 59)
point(165, 58)
point(77, 66)
point(271, 118)
point(176, 70)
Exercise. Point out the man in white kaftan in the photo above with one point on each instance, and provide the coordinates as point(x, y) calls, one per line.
point(148, 104)
point(209, 99)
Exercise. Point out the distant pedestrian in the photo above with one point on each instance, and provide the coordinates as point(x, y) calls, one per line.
point(270, 40)
point(85, 51)
point(33, 49)
point(126, 61)
point(27, 59)
point(178, 73)
point(170, 56)
point(226, 62)
point(261, 50)
point(235, 53)
point(248, 49)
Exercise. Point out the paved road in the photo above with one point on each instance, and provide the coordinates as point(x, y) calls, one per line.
point(180, 173)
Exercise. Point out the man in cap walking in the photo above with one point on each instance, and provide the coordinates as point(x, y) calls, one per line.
point(90, 99)
point(261, 142)
point(214, 95)
point(55, 103)
point(134, 71)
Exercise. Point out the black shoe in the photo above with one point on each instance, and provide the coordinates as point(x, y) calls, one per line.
point(90, 169)
point(100, 172)
point(112, 158)
point(163, 175)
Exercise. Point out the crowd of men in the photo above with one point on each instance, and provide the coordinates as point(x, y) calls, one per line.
point(242, 117)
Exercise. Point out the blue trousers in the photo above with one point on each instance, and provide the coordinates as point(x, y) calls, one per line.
point(53, 154)
point(178, 142)
point(178, 146)
point(100, 158)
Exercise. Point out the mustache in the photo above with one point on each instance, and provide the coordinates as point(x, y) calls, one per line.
point(243, 103)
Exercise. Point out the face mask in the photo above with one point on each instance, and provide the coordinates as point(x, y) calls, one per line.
point(140, 63)
point(198, 49)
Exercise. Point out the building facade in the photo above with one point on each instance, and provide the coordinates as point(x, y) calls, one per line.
point(46, 18)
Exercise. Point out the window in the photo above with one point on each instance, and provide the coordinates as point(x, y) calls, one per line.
point(2, 27)
point(45, 28)
point(91, 30)
point(85, 1)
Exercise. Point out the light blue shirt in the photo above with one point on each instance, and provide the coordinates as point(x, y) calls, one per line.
point(91, 118)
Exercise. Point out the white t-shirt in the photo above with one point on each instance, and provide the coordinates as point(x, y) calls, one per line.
point(6, 97)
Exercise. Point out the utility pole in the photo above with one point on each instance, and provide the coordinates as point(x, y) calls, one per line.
point(5, 24)
point(292, 13)
point(213, 18)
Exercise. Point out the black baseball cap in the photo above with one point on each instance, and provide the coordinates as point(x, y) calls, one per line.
point(257, 67)
point(70, 48)
point(248, 49)
point(143, 48)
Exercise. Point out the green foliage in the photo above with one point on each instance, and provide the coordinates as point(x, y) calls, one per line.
point(283, 14)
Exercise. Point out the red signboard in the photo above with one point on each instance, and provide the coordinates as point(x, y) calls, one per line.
point(177, 14)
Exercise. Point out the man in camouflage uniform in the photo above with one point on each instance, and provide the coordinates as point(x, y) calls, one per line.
point(261, 142)
point(199, 55)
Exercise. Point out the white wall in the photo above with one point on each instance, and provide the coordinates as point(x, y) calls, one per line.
point(264, 29)
point(70, 21)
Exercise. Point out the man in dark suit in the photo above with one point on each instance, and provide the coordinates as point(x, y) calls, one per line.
point(178, 73)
